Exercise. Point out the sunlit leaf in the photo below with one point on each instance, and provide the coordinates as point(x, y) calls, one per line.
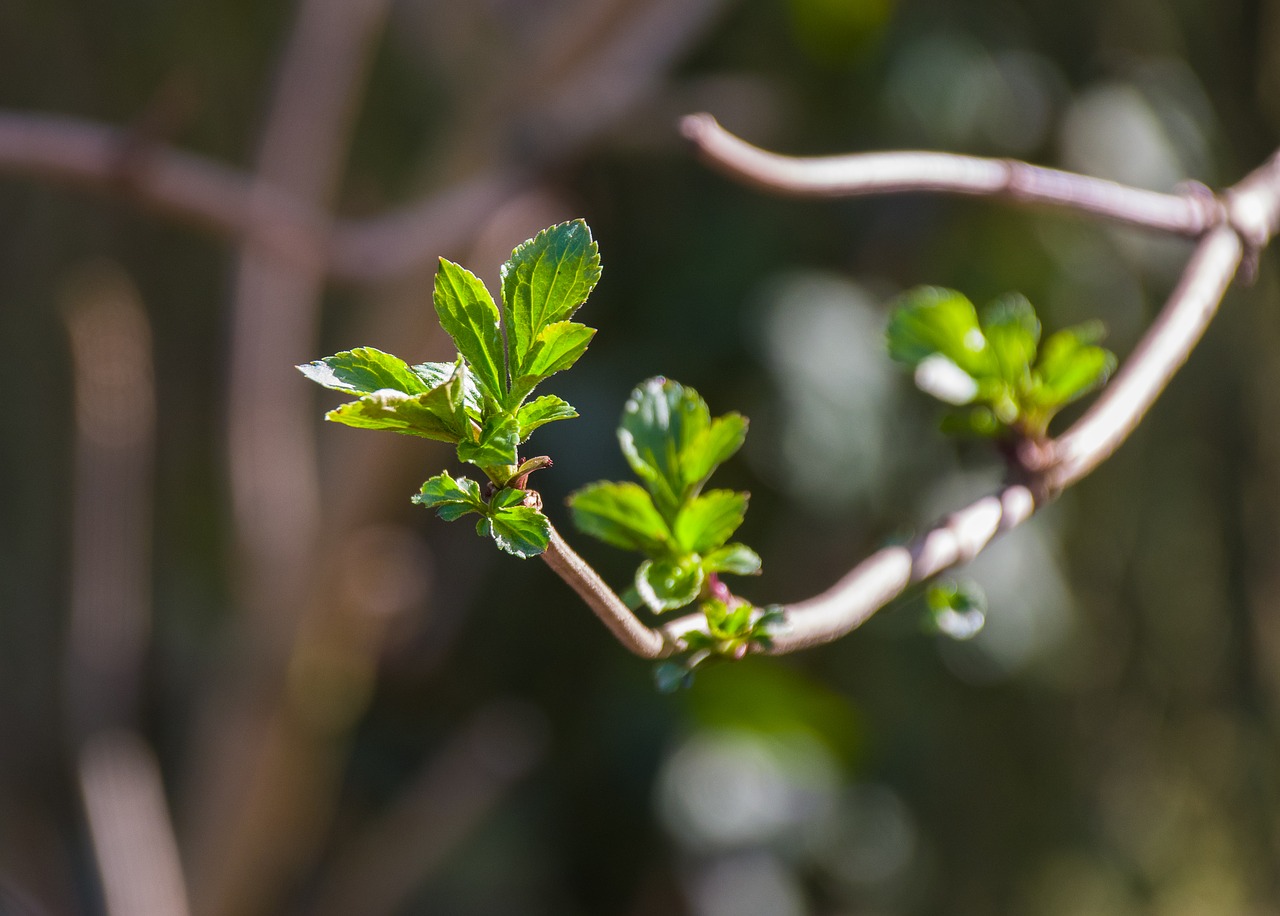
point(467, 312)
point(520, 530)
point(365, 370)
point(708, 520)
point(557, 347)
point(732, 558)
point(660, 421)
point(545, 281)
point(621, 514)
point(1012, 331)
point(540, 411)
point(496, 445)
point(429, 415)
point(451, 498)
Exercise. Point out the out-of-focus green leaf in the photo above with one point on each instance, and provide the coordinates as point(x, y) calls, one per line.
point(621, 514)
point(497, 444)
point(467, 312)
point(930, 320)
point(732, 558)
point(708, 520)
point(365, 370)
point(540, 411)
point(1012, 331)
point(1071, 365)
point(665, 585)
point(451, 498)
point(545, 281)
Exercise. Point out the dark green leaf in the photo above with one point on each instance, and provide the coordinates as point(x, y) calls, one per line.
point(540, 411)
point(665, 585)
point(707, 521)
point(931, 320)
point(979, 422)
point(520, 530)
point(546, 280)
point(672, 676)
point(732, 558)
point(451, 498)
point(364, 370)
point(467, 313)
point(429, 415)
point(621, 514)
point(497, 444)
point(660, 421)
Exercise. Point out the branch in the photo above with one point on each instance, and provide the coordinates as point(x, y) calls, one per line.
point(863, 174)
point(1235, 227)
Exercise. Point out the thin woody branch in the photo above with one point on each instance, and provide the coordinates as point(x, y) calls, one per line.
point(1240, 223)
point(863, 174)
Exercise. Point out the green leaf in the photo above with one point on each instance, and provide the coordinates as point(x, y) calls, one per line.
point(546, 280)
point(665, 585)
point(429, 415)
point(931, 320)
point(540, 411)
point(497, 444)
point(436, 374)
point(468, 314)
point(712, 447)
point(707, 521)
point(451, 498)
point(557, 347)
point(364, 370)
point(520, 530)
point(621, 514)
point(732, 558)
point(660, 421)
point(1012, 332)
point(1070, 366)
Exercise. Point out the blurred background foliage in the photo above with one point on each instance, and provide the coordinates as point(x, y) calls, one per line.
point(415, 723)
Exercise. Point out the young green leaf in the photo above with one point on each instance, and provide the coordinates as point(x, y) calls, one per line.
point(436, 374)
point(545, 281)
point(364, 370)
point(708, 520)
point(661, 420)
point(539, 411)
point(732, 558)
point(520, 530)
point(430, 415)
point(557, 347)
point(467, 312)
point(932, 320)
point(621, 514)
point(496, 445)
point(451, 498)
point(666, 585)
point(711, 448)
point(1012, 331)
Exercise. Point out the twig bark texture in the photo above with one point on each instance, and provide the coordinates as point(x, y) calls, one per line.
point(1231, 228)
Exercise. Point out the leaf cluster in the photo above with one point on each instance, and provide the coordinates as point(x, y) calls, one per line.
point(734, 628)
point(481, 402)
point(673, 446)
point(993, 362)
